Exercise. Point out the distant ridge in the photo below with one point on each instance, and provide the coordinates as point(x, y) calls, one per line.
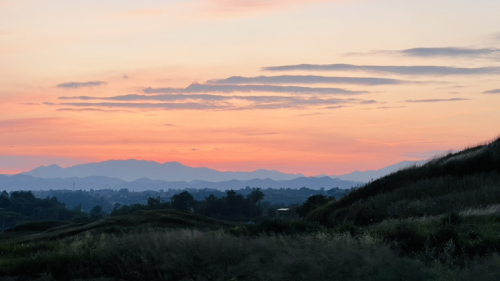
point(366, 176)
point(130, 170)
point(27, 182)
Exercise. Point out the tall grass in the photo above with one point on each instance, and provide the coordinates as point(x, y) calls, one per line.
point(194, 255)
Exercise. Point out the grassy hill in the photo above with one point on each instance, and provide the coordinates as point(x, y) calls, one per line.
point(469, 179)
point(142, 220)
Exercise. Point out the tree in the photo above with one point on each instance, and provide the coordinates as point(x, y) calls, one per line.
point(4, 200)
point(78, 209)
point(154, 203)
point(183, 201)
point(256, 196)
point(213, 205)
point(96, 213)
point(312, 203)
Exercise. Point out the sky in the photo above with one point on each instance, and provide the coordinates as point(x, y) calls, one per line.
point(312, 87)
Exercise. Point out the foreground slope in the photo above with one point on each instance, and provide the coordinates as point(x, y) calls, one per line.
point(458, 181)
point(133, 222)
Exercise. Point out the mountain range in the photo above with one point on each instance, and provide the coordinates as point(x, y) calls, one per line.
point(27, 182)
point(130, 170)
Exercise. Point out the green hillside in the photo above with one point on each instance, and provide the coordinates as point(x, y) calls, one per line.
point(469, 179)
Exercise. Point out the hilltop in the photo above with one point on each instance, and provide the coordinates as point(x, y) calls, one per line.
point(142, 220)
point(458, 181)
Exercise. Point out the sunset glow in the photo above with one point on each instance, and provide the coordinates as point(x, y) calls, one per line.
point(312, 87)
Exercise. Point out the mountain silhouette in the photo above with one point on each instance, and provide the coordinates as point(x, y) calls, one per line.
point(130, 170)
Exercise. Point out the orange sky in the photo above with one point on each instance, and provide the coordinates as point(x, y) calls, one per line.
point(186, 81)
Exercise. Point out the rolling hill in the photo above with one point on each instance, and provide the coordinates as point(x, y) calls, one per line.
point(456, 182)
point(137, 221)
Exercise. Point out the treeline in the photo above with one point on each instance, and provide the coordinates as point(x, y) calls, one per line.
point(23, 206)
point(83, 207)
point(107, 198)
point(233, 206)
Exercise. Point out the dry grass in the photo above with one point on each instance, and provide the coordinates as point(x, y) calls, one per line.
point(490, 210)
point(195, 255)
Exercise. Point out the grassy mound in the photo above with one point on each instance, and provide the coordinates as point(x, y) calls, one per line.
point(136, 221)
point(457, 181)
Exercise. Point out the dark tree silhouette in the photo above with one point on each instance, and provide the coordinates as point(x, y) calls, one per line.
point(183, 201)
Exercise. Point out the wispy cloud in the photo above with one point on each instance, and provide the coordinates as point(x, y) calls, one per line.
point(401, 70)
point(496, 91)
point(310, 114)
point(164, 106)
point(90, 109)
point(308, 79)
point(390, 107)
point(215, 102)
point(81, 84)
point(173, 97)
point(261, 133)
point(342, 106)
point(436, 100)
point(219, 98)
point(207, 88)
point(436, 52)
point(449, 52)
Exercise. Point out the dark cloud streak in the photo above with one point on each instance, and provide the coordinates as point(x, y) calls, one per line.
point(496, 91)
point(206, 88)
point(390, 107)
point(436, 52)
point(448, 52)
point(401, 70)
point(435, 100)
point(76, 85)
point(228, 103)
point(218, 98)
point(308, 79)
